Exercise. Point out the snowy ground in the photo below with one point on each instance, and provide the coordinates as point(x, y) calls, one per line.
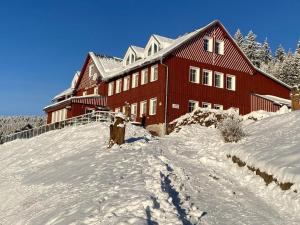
point(70, 177)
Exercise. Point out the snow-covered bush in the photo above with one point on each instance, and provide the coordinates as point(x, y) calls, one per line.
point(231, 129)
point(203, 116)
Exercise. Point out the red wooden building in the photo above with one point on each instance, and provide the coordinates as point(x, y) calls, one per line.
point(170, 77)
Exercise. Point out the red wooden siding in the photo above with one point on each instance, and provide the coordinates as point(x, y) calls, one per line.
point(181, 90)
point(259, 103)
point(232, 58)
point(155, 89)
point(85, 81)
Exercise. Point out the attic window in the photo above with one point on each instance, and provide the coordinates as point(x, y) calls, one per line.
point(130, 59)
point(208, 44)
point(155, 48)
point(150, 51)
point(91, 67)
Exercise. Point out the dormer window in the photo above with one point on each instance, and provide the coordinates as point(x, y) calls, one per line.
point(130, 59)
point(150, 51)
point(155, 48)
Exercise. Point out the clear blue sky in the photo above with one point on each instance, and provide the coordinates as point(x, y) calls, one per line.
point(42, 43)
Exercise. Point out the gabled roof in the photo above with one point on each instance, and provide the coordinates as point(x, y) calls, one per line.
point(139, 51)
point(164, 41)
point(112, 67)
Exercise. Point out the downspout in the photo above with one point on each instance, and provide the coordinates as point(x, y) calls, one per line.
point(166, 94)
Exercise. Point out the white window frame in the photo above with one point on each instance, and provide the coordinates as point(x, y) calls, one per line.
point(221, 47)
point(221, 79)
point(91, 68)
point(135, 80)
point(154, 77)
point(218, 106)
point(144, 78)
point(233, 85)
point(195, 106)
point(96, 90)
point(209, 77)
point(111, 88)
point(210, 44)
point(152, 106)
point(118, 86)
point(142, 109)
point(126, 83)
point(206, 105)
point(133, 109)
point(197, 75)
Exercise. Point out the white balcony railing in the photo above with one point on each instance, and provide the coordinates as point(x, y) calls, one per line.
point(97, 116)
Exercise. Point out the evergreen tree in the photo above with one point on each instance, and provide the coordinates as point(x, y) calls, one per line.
point(280, 53)
point(265, 53)
point(252, 48)
point(239, 39)
point(288, 71)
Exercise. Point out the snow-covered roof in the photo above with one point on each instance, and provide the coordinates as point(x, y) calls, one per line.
point(164, 41)
point(110, 67)
point(70, 90)
point(277, 100)
point(115, 67)
point(66, 92)
point(139, 51)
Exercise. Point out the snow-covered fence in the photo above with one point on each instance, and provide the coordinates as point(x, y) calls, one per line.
point(97, 116)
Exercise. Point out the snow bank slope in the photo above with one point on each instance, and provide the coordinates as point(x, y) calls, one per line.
point(69, 177)
point(273, 146)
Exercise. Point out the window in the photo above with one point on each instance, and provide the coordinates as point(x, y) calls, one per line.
point(124, 109)
point(150, 50)
point(117, 110)
point(84, 93)
point(111, 88)
point(207, 77)
point(153, 106)
point(59, 115)
point(130, 59)
point(193, 105)
point(219, 47)
point(144, 78)
point(154, 73)
point(217, 106)
point(155, 48)
point(207, 44)
point(126, 83)
point(96, 90)
point(133, 109)
point(143, 108)
point(135, 80)
point(230, 82)
point(194, 75)
point(118, 86)
point(91, 68)
point(206, 105)
point(219, 80)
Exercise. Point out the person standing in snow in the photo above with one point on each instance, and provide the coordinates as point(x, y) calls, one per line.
point(143, 123)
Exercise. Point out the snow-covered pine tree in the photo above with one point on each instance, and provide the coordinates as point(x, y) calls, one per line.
point(280, 53)
point(265, 52)
point(288, 72)
point(239, 38)
point(297, 59)
point(265, 57)
point(252, 48)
